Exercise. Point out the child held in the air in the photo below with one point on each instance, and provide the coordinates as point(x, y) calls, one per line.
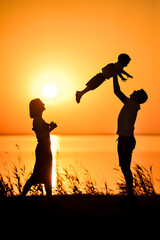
point(108, 71)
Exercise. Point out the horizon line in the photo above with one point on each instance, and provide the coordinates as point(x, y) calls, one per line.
point(78, 134)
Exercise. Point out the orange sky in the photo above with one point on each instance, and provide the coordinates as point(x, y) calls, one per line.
point(66, 43)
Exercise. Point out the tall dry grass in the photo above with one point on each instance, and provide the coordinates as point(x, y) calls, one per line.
point(143, 183)
point(68, 182)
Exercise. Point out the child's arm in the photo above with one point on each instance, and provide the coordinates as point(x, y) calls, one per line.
point(120, 75)
point(125, 73)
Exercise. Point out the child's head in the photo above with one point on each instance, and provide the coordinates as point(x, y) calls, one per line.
point(124, 59)
point(36, 107)
point(139, 96)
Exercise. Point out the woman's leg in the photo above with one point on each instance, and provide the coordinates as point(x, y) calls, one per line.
point(27, 186)
point(48, 187)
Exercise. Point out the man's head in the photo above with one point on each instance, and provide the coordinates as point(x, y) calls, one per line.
point(139, 96)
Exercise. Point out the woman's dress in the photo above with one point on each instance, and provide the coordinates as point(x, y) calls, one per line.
point(42, 172)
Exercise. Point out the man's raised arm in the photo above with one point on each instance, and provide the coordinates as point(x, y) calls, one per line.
point(117, 90)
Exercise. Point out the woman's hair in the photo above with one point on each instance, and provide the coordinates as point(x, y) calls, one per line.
point(123, 58)
point(35, 108)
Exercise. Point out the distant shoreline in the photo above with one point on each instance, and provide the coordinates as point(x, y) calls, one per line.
point(78, 134)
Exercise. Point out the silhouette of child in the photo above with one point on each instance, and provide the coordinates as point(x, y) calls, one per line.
point(43, 166)
point(108, 71)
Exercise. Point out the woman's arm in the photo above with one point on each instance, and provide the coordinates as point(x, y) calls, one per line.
point(52, 126)
point(40, 132)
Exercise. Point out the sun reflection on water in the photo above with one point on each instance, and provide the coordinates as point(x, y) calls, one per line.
point(54, 148)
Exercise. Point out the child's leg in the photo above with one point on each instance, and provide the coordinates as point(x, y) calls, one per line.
point(79, 94)
point(92, 84)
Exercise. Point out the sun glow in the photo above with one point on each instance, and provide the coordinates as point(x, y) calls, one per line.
point(54, 149)
point(57, 85)
point(50, 91)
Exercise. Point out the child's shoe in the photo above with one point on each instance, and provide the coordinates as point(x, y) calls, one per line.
point(78, 96)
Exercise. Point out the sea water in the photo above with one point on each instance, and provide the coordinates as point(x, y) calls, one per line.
point(95, 153)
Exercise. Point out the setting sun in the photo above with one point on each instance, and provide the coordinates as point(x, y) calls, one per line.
point(65, 44)
point(53, 84)
point(50, 91)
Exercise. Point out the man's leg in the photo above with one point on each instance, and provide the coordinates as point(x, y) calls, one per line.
point(125, 148)
point(128, 178)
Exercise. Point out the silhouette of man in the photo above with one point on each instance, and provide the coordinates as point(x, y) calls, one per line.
point(126, 121)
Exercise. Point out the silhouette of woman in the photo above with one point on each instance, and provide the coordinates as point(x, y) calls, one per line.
point(43, 167)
